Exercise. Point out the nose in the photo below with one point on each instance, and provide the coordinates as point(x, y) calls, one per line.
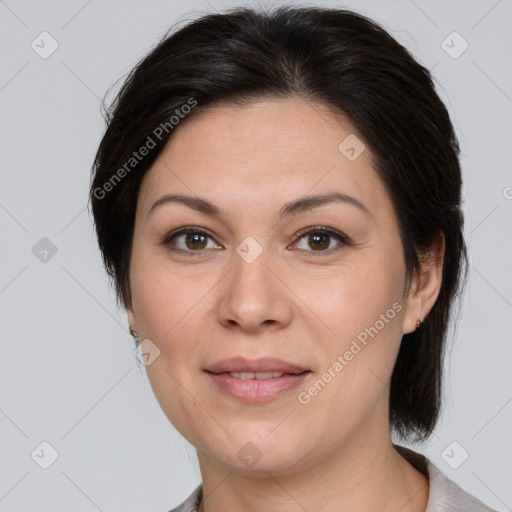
point(254, 296)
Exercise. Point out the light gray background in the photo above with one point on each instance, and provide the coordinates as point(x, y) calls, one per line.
point(68, 374)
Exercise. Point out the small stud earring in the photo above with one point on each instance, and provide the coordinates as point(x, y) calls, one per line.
point(418, 323)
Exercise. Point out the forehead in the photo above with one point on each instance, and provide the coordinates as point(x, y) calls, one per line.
point(263, 152)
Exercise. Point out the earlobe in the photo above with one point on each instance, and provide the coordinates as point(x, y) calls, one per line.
point(131, 322)
point(413, 309)
point(425, 287)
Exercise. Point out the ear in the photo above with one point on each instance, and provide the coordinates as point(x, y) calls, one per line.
point(131, 319)
point(424, 288)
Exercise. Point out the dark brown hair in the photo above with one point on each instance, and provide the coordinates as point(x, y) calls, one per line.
point(340, 59)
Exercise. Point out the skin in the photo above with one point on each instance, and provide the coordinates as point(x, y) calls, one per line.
point(293, 302)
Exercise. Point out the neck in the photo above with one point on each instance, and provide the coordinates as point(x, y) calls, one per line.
point(359, 475)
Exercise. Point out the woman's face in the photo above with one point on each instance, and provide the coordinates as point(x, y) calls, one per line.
point(266, 280)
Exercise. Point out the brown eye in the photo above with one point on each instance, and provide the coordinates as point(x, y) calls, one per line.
point(195, 241)
point(320, 240)
point(189, 240)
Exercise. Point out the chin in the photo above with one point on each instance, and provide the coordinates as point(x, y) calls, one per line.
point(263, 452)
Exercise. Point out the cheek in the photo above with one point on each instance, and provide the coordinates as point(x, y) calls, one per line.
point(349, 298)
point(361, 306)
point(165, 301)
point(168, 308)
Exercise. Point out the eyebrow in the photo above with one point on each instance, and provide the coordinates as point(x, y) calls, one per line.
point(292, 208)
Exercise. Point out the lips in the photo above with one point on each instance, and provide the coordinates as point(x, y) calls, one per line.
point(255, 390)
point(263, 365)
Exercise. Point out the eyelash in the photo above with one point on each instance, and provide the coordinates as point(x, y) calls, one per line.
point(345, 240)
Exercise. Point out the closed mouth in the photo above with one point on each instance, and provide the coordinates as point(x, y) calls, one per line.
point(260, 375)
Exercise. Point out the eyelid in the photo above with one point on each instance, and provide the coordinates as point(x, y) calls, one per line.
point(323, 229)
point(184, 230)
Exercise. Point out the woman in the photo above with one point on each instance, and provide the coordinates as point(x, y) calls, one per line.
point(277, 200)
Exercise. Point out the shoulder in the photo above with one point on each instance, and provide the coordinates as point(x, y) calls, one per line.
point(444, 494)
point(191, 504)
